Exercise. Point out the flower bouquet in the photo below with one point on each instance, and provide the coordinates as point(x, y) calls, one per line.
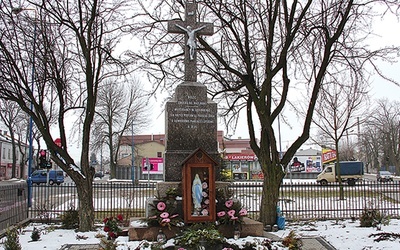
point(231, 212)
point(164, 215)
point(112, 226)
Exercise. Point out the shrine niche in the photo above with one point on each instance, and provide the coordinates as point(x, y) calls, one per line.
point(198, 187)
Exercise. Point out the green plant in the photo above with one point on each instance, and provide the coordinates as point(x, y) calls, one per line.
point(35, 236)
point(171, 192)
point(292, 241)
point(199, 234)
point(12, 241)
point(112, 226)
point(70, 219)
point(372, 217)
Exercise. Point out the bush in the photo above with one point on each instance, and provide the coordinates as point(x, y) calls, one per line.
point(70, 219)
point(35, 236)
point(12, 241)
point(371, 217)
point(199, 234)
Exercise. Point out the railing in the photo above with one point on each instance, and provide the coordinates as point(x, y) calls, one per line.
point(301, 201)
point(298, 201)
point(109, 199)
point(13, 203)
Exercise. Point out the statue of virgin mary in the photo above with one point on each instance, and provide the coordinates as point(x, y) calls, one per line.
point(197, 194)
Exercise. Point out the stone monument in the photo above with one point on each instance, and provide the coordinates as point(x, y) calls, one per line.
point(191, 118)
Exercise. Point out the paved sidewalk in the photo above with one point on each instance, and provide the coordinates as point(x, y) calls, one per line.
point(309, 243)
point(81, 247)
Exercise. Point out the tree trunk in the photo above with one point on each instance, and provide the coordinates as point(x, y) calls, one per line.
point(273, 176)
point(85, 208)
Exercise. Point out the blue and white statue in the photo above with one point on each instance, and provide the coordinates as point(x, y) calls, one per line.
point(197, 191)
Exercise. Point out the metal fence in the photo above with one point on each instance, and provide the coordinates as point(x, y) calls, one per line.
point(302, 201)
point(13, 203)
point(298, 201)
point(109, 199)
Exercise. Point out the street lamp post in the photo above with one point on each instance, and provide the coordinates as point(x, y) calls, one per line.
point(133, 159)
point(30, 153)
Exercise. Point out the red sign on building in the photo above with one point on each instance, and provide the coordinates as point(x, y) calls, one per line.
point(240, 157)
point(328, 155)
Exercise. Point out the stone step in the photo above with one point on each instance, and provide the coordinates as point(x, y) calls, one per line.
point(249, 227)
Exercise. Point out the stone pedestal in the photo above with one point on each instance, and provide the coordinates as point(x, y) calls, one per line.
point(150, 233)
point(191, 123)
point(249, 227)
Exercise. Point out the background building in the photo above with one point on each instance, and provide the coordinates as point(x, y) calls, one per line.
point(6, 160)
point(239, 161)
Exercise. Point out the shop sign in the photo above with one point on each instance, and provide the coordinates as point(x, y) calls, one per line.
point(240, 157)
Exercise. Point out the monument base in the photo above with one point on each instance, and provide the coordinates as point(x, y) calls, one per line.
point(249, 227)
point(137, 232)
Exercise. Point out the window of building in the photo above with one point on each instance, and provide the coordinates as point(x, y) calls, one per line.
point(4, 155)
point(159, 154)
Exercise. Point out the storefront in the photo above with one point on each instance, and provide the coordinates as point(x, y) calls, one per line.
point(243, 167)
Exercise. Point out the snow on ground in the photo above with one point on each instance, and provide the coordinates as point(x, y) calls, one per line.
point(346, 234)
point(341, 234)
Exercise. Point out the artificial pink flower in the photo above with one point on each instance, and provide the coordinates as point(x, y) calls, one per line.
point(164, 215)
point(231, 212)
point(207, 201)
point(204, 194)
point(243, 212)
point(221, 214)
point(234, 218)
point(204, 185)
point(161, 206)
point(204, 212)
point(166, 220)
point(229, 203)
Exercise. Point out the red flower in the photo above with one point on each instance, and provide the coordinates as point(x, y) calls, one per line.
point(112, 235)
point(119, 217)
point(106, 229)
point(105, 220)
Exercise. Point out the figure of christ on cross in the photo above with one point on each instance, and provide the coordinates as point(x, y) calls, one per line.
point(191, 29)
point(191, 38)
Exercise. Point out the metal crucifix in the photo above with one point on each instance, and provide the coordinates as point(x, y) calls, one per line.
point(191, 29)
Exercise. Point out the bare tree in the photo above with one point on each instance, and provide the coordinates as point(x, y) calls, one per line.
point(381, 134)
point(68, 49)
point(120, 107)
point(342, 101)
point(9, 113)
point(263, 53)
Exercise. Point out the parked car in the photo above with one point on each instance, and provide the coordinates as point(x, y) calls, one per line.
point(99, 174)
point(384, 176)
point(40, 176)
